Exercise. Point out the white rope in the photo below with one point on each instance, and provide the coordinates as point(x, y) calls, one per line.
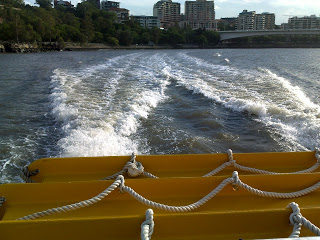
point(258, 192)
point(149, 175)
point(168, 208)
point(235, 180)
point(26, 174)
point(133, 168)
point(78, 205)
point(2, 201)
point(233, 162)
point(297, 220)
point(147, 226)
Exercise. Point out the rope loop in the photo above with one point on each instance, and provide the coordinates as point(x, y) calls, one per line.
point(26, 174)
point(235, 180)
point(297, 220)
point(2, 201)
point(295, 213)
point(133, 167)
point(121, 186)
point(317, 154)
point(147, 226)
point(230, 155)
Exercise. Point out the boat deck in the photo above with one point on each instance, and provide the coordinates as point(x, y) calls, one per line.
point(185, 165)
point(231, 214)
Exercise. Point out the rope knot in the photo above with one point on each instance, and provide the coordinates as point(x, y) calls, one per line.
point(133, 167)
point(26, 174)
point(295, 216)
point(236, 180)
point(230, 155)
point(121, 186)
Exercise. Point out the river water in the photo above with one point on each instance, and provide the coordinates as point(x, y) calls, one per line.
point(68, 104)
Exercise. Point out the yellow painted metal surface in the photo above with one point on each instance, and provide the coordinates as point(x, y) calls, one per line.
point(191, 165)
point(229, 215)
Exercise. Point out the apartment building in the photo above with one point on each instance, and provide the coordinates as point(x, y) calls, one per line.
point(246, 20)
point(200, 14)
point(270, 20)
point(121, 13)
point(168, 12)
point(307, 22)
point(264, 21)
point(253, 21)
point(259, 22)
point(147, 21)
point(106, 5)
point(66, 4)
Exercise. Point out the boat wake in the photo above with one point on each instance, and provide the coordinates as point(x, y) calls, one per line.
point(101, 107)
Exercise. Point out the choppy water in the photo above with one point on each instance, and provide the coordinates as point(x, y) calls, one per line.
point(156, 102)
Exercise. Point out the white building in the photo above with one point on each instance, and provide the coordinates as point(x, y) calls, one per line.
point(259, 22)
point(147, 21)
point(168, 12)
point(253, 21)
point(246, 20)
point(307, 22)
point(106, 5)
point(200, 14)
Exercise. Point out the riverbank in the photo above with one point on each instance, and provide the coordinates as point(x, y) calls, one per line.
point(55, 46)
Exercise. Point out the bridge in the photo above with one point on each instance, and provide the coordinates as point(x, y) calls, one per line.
point(225, 35)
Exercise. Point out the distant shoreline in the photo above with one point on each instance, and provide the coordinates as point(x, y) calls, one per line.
point(54, 46)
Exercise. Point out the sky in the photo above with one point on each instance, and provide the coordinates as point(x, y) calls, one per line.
point(283, 9)
point(232, 8)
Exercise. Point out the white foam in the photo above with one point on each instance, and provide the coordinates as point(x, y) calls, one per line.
point(297, 94)
point(273, 100)
point(100, 116)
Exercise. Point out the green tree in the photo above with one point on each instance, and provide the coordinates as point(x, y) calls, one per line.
point(125, 37)
point(212, 37)
point(176, 36)
point(113, 41)
point(12, 3)
point(144, 37)
point(202, 40)
point(44, 3)
point(87, 28)
point(155, 35)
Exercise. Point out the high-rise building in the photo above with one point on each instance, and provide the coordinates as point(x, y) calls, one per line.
point(106, 5)
point(200, 14)
point(199, 10)
point(252, 21)
point(270, 20)
point(168, 12)
point(246, 20)
point(307, 22)
point(259, 22)
point(264, 21)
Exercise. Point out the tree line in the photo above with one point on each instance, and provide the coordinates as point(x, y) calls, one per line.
point(24, 23)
